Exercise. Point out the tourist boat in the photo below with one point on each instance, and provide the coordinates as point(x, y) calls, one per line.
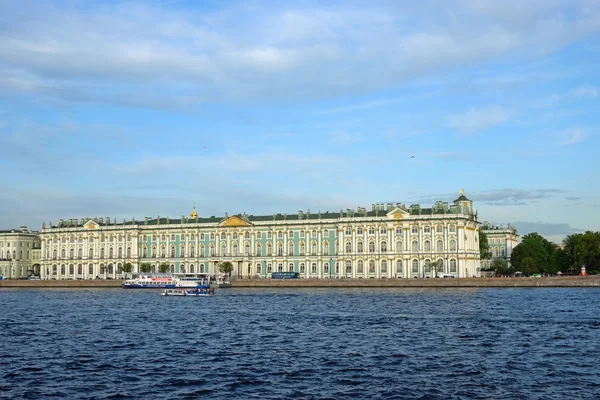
point(168, 281)
point(196, 292)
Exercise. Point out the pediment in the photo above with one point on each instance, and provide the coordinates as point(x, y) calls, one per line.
point(397, 213)
point(91, 225)
point(234, 221)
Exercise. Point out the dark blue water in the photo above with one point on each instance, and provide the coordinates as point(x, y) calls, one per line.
point(301, 344)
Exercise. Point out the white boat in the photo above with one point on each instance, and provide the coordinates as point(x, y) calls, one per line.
point(168, 281)
point(195, 292)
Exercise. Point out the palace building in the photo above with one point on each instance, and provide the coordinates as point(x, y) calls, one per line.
point(501, 240)
point(19, 253)
point(388, 241)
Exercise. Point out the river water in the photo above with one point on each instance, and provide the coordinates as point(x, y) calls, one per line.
point(301, 344)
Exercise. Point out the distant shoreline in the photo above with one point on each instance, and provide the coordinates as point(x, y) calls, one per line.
point(564, 281)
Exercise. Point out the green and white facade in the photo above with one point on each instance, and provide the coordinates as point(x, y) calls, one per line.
point(501, 240)
point(389, 241)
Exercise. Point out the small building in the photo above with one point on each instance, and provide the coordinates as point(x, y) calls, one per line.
point(20, 253)
point(502, 240)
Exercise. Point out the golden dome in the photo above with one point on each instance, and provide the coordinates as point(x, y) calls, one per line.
point(194, 214)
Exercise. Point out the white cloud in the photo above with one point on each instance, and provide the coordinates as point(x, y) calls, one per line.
point(585, 91)
point(259, 51)
point(477, 119)
point(571, 136)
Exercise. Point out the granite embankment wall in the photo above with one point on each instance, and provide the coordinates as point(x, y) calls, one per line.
point(568, 281)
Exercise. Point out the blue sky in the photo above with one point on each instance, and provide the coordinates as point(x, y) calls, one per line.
point(130, 109)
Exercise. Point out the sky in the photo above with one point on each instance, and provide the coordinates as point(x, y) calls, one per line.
point(132, 109)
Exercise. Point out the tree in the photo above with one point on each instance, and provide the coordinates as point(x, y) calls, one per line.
point(436, 266)
point(226, 267)
point(530, 255)
point(559, 262)
point(127, 267)
point(163, 267)
point(145, 267)
point(484, 247)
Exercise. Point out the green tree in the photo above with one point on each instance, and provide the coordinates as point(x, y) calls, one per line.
point(127, 267)
point(436, 266)
point(484, 247)
point(145, 267)
point(559, 262)
point(587, 251)
point(226, 267)
point(531, 255)
point(163, 267)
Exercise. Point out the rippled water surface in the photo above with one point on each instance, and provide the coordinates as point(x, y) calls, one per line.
point(301, 344)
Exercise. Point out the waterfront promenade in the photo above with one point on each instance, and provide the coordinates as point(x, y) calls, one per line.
point(566, 281)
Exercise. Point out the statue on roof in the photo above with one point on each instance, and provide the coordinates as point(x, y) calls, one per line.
point(194, 214)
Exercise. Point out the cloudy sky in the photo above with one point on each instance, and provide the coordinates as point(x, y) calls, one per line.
point(130, 109)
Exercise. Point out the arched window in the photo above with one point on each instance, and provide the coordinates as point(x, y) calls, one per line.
point(337, 267)
point(326, 247)
point(71, 269)
point(110, 269)
point(440, 265)
point(452, 228)
point(54, 269)
point(72, 254)
point(452, 245)
point(426, 229)
point(302, 249)
point(439, 246)
point(427, 245)
point(399, 267)
point(291, 267)
point(384, 266)
point(247, 248)
point(326, 268)
point(182, 250)
point(172, 251)
point(258, 250)
point(269, 249)
point(290, 249)
point(371, 247)
point(359, 231)
point(348, 267)
point(192, 248)
point(415, 266)
point(62, 253)
point(223, 236)
point(371, 266)
point(414, 246)
point(280, 267)
point(234, 250)
point(258, 268)
point(129, 252)
point(359, 247)
point(269, 268)
point(54, 254)
point(414, 229)
point(348, 247)
point(90, 269)
point(62, 269)
point(313, 268)
point(80, 253)
point(302, 268)
point(383, 230)
point(427, 266)
point(383, 247)
point(212, 236)
point(102, 252)
point(360, 268)
point(398, 246)
point(192, 268)
point(120, 252)
point(496, 252)
point(280, 249)
point(502, 253)
point(452, 265)
point(111, 252)
point(90, 253)
point(247, 235)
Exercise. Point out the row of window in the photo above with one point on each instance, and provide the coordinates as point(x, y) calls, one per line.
point(269, 234)
point(20, 244)
point(370, 268)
